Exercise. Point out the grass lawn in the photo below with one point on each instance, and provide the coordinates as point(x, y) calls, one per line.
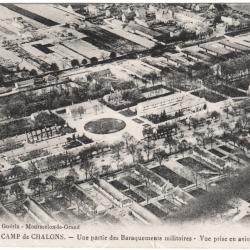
point(210, 96)
point(226, 149)
point(105, 126)
point(134, 196)
point(148, 192)
point(171, 176)
point(217, 153)
point(195, 165)
point(226, 90)
point(132, 181)
point(118, 185)
point(156, 211)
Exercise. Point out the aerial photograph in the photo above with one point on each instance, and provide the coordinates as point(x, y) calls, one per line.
point(124, 113)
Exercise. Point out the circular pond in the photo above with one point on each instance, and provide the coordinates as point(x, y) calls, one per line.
point(105, 126)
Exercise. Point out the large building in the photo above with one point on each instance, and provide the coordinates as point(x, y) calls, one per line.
point(171, 104)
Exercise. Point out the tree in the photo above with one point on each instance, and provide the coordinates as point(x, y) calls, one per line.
point(18, 172)
point(105, 168)
point(132, 148)
point(2, 180)
point(32, 168)
point(86, 165)
point(72, 172)
point(59, 186)
point(75, 63)
point(81, 110)
point(171, 142)
point(112, 55)
point(84, 61)
point(152, 77)
point(127, 138)
point(160, 155)
point(148, 146)
point(17, 190)
point(215, 115)
point(93, 60)
point(210, 135)
point(116, 149)
point(201, 137)
point(54, 67)
point(51, 180)
point(224, 125)
point(33, 73)
point(35, 184)
point(10, 144)
point(3, 195)
point(183, 146)
point(69, 180)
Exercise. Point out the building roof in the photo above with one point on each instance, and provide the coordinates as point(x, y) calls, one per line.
point(143, 29)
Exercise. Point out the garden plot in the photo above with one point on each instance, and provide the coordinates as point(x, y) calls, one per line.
point(216, 48)
point(171, 176)
point(197, 192)
point(134, 196)
point(156, 211)
point(159, 62)
point(179, 59)
point(217, 153)
point(131, 180)
point(7, 14)
point(33, 155)
point(64, 52)
point(105, 40)
point(196, 52)
point(13, 128)
point(242, 84)
point(135, 38)
point(167, 205)
point(51, 13)
point(86, 49)
point(209, 95)
point(197, 166)
point(48, 54)
point(95, 195)
point(9, 55)
point(226, 148)
point(156, 92)
point(138, 68)
point(118, 185)
point(149, 193)
point(228, 91)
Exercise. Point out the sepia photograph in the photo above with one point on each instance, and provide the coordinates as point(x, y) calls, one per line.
point(124, 115)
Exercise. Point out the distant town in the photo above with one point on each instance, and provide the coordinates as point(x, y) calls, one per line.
point(124, 113)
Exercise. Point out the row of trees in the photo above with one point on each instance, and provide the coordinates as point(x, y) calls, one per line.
point(217, 200)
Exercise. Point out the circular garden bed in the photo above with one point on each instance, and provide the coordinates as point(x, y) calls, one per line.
point(105, 126)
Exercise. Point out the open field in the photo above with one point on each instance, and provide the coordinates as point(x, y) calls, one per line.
point(210, 96)
point(171, 176)
point(228, 91)
point(86, 49)
point(108, 41)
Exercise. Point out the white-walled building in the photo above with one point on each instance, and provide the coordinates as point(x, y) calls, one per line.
point(171, 104)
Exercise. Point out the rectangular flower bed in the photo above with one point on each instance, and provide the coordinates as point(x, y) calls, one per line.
point(226, 148)
point(171, 176)
point(228, 91)
point(148, 192)
point(134, 196)
point(132, 181)
point(156, 211)
point(217, 153)
point(118, 185)
point(194, 164)
point(209, 95)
